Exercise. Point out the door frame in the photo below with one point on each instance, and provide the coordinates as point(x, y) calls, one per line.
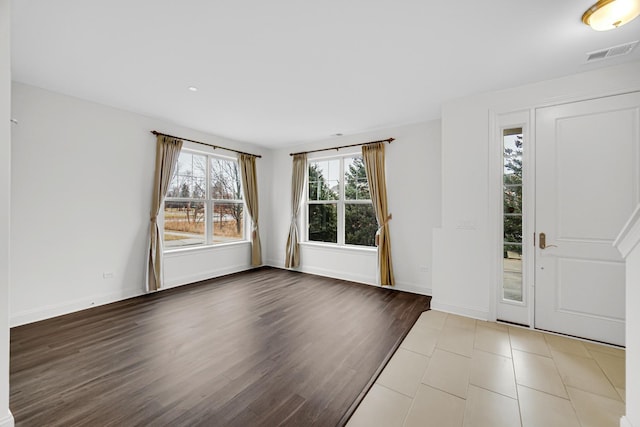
point(508, 118)
point(515, 312)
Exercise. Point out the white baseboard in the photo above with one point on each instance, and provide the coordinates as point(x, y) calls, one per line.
point(274, 263)
point(359, 278)
point(192, 278)
point(400, 286)
point(474, 313)
point(413, 288)
point(624, 422)
point(49, 311)
point(7, 420)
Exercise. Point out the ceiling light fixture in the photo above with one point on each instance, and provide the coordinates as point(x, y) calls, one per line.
point(193, 88)
point(609, 14)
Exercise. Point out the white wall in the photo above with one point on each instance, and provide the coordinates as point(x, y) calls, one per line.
point(628, 243)
point(6, 420)
point(633, 339)
point(413, 187)
point(463, 262)
point(82, 176)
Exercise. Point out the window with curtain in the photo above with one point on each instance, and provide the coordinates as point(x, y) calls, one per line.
point(204, 204)
point(339, 208)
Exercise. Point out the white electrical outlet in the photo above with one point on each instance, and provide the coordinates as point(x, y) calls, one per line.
point(107, 275)
point(424, 269)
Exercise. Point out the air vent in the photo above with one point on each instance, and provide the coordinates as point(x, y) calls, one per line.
point(610, 52)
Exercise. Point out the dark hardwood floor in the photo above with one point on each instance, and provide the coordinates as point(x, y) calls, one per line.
point(266, 347)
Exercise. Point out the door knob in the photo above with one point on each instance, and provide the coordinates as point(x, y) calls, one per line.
point(543, 242)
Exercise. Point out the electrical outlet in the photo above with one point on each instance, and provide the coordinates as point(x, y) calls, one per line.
point(107, 275)
point(424, 269)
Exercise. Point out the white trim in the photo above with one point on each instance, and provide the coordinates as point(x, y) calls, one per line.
point(624, 422)
point(199, 149)
point(208, 203)
point(276, 264)
point(588, 91)
point(344, 152)
point(473, 312)
point(366, 280)
point(185, 251)
point(7, 420)
point(340, 202)
point(411, 287)
point(629, 236)
point(400, 285)
point(511, 311)
point(332, 247)
point(494, 226)
point(49, 311)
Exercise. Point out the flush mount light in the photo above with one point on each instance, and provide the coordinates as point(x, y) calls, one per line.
point(609, 14)
point(193, 88)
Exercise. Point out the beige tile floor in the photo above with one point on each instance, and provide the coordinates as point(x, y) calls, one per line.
point(456, 371)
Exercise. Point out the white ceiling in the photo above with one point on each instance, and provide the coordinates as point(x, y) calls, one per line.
point(282, 72)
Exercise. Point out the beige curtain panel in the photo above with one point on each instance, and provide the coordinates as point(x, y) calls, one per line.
point(373, 155)
point(250, 188)
point(167, 152)
point(292, 259)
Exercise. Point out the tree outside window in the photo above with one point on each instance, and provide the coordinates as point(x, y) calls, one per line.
point(339, 204)
point(512, 215)
point(512, 202)
point(204, 204)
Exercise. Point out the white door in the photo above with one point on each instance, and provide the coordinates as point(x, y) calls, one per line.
point(587, 157)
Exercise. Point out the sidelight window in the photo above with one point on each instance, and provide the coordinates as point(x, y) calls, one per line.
point(512, 214)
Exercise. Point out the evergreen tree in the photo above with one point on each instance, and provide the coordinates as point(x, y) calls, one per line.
point(360, 220)
point(512, 203)
point(323, 218)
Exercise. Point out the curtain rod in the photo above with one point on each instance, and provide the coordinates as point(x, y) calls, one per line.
point(204, 143)
point(389, 140)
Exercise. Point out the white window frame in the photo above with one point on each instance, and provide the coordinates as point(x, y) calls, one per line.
point(501, 308)
point(340, 202)
point(208, 206)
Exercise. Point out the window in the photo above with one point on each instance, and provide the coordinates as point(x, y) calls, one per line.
point(204, 204)
point(339, 208)
point(512, 214)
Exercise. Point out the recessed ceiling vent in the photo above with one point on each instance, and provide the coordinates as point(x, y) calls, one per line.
point(610, 52)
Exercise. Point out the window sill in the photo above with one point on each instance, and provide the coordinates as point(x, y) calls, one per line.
point(346, 248)
point(204, 248)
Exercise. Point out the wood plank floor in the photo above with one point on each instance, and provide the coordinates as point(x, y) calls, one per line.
point(266, 347)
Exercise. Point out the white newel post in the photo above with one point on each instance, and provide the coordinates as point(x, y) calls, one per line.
point(628, 243)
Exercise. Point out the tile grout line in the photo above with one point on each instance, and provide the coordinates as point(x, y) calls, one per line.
point(608, 378)
point(395, 391)
point(509, 335)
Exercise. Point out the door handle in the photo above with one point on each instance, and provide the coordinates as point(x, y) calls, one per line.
point(542, 239)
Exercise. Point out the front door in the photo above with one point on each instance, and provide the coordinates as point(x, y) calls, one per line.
point(587, 185)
